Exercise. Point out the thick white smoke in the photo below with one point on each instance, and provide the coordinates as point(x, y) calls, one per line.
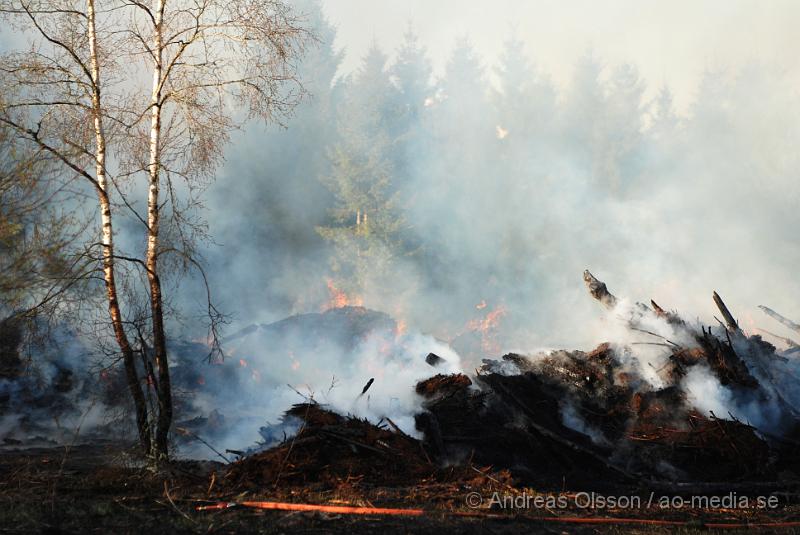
point(278, 370)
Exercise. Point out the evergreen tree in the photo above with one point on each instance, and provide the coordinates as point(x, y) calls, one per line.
point(525, 107)
point(664, 120)
point(413, 147)
point(525, 101)
point(464, 84)
point(365, 227)
point(603, 124)
point(662, 145)
point(582, 118)
point(411, 74)
point(622, 139)
point(451, 193)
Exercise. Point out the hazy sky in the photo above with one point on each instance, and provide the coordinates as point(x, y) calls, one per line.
point(670, 41)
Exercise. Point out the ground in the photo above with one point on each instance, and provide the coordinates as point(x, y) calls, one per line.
point(102, 488)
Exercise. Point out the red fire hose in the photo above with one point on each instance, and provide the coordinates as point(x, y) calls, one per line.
point(350, 510)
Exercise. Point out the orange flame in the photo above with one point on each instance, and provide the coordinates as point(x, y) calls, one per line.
point(489, 322)
point(338, 298)
point(400, 328)
point(481, 305)
point(487, 327)
point(243, 363)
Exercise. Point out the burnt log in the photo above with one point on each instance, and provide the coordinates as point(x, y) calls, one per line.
point(599, 290)
point(730, 321)
point(434, 360)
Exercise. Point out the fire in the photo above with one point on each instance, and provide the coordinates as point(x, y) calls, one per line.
point(487, 327)
point(489, 322)
point(481, 305)
point(339, 298)
point(500, 132)
point(201, 380)
point(400, 328)
point(243, 363)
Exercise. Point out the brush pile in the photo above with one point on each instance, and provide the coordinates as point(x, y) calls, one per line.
point(617, 414)
point(334, 452)
point(329, 448)
point(611, 414)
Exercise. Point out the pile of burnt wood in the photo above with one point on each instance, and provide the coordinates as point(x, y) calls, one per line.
point(577, 419)
point(574, 417)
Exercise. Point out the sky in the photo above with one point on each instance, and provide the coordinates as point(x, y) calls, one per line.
point(672, 42)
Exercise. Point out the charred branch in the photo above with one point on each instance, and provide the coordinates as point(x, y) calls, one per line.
point(730, 322)
point(599, 290)
point(780, 319)
point(788, 341)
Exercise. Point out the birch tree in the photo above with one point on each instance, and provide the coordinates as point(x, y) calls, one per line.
point(80, 94)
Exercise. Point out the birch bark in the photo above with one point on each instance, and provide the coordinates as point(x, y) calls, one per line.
point(107, 235)
point(163, 388)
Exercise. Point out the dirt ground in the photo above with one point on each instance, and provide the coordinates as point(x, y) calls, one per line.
point(103, 488)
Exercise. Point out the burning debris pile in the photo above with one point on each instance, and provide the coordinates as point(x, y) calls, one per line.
point(319, 356)
point(43, 400)
point(668, 400)
point(615, 413)
point(352, 457)
point(329, 448)
point(691, 404)
point(221, 401)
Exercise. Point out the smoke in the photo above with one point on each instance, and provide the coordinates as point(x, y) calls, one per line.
point(52, 391)
point(503, 186)
point(643, 343)
point(667, 205)
point(705, 392)
point(328, 358)
point(599, 171)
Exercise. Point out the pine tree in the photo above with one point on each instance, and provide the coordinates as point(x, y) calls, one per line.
point(664, 120)
point(603, 121)
point(582, 117)
point(411, 74)
point(413, 149)
point(622, 139)
point(461, 160)
point(525, 101)
point(365, 222)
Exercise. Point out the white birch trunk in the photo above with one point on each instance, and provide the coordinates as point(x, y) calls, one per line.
point(107, 234)
point(164, 392)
